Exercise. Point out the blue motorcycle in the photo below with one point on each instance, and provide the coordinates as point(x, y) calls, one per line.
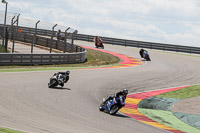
point(146, 56)
point(113, 105)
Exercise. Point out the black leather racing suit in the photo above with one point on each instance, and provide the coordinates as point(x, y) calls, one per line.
point(116, 95)
point(62, 77)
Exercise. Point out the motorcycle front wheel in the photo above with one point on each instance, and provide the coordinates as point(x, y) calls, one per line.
point(101, 107)
point(113, 110)
point(52, 83)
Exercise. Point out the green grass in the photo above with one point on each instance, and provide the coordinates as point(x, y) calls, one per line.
point(97, 58)
point(5, 130)
point(168, 119)
point(189, 92)
point(94, 59)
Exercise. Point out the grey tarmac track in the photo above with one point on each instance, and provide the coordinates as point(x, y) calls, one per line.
point(26, 103)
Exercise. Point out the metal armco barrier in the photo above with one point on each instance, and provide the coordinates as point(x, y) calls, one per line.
point(76, 54)
point(141, 44)
point(41, 59)
point(60, 45)
point(45, 40)
point(125, 42)
point(27, 36)
point(40, 32)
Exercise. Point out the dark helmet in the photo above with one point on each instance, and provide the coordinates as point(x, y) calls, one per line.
point(125, 91)
point(67, 72)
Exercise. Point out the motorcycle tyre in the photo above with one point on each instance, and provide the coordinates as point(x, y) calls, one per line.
point(115, 111)
point(148, 58)
point(52, 84)
point(101, 107)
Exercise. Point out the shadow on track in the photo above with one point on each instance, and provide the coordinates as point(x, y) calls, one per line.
point(120, 115)
point(60, 88)
point(144, 60)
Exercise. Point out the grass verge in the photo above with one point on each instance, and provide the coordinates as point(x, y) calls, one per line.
point(94, 59)
point(188, 92)
point(168, 119)
point(5, 130)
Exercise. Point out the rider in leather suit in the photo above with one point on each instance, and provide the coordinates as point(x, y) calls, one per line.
point(62, 77)
point(98, 41)
point(124, 93)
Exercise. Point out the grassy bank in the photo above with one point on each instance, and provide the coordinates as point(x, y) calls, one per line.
point(188, 92)
point(167, 118)
point(94, 59)
point(4, 130)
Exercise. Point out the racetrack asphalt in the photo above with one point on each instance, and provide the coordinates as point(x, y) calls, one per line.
point(26, 102)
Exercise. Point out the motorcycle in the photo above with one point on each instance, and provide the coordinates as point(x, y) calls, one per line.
point(113, 105)
point(98, 42)
point(99, 45)
point(55, 82)
point(146, 56)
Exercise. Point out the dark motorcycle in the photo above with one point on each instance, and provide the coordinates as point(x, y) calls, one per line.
point(54, 81)
point(113, 105)
point(99, 45)
point(146, 56)
point(98, 42)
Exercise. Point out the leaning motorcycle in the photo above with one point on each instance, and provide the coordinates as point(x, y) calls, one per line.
point(146, 56)
point(113, 105)
point(53, 81)
point(100, 44)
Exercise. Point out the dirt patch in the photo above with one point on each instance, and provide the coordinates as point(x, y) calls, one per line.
point(190, 106)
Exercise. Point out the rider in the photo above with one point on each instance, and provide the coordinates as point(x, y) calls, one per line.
point(143, 53)
point(63, 77)
point(123, 93)
point(98, 41)
point(59, 34)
